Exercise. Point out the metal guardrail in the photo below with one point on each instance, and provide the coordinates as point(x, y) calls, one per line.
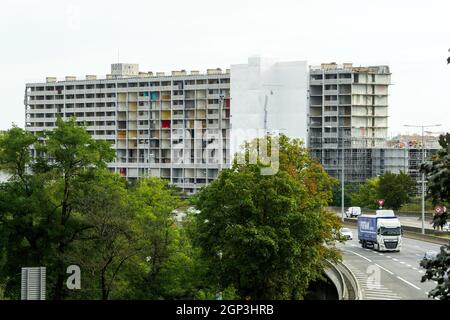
point(347, 285)
point(353, 282)
point(337, 278)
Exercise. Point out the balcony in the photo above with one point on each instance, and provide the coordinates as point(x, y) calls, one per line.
point(330, 81)
point(345, 81)
point(330, 113)
point(213, 96)
point(213, 116)
point(330, 134)
point(178, 97)
point(330, 145)
point(316, 82)
point(196, 86)
point(330, 92)
point(330, 103)
point(178, 116)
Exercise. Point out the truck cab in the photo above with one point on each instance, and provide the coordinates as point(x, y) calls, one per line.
point(382, 231)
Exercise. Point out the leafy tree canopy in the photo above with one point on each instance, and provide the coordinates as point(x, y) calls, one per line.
point(267, 235)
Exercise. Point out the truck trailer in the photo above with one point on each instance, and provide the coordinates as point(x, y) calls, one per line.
point(382, 231)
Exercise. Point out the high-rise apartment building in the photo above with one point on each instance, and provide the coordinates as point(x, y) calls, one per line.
point(348, 112)
point(171, 126)
point(176, 126)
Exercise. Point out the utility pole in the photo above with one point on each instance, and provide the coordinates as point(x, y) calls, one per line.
point(342, 176)
point(423, 174)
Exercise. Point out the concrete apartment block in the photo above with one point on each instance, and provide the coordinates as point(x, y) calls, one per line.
point(176, 126)
point(348, 110)
point(171, 126)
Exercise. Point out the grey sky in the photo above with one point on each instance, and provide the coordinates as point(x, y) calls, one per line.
point(59, 38)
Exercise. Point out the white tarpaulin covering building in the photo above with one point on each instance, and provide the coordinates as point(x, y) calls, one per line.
point(268, 96)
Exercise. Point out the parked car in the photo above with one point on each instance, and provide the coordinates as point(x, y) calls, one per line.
point(353, 212)
point(446, 227)
point(347, 233)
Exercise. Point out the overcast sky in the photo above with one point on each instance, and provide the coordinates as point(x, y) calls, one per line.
point(59, 38)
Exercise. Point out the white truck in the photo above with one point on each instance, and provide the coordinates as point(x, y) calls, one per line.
point(382, 231)
point(353, 212)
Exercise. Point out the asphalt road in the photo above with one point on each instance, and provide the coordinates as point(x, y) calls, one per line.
point(408, 221)
point(415, 222)
point(389, 275)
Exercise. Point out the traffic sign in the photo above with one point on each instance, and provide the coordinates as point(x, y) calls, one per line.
point(380, 202)
point(440, 210)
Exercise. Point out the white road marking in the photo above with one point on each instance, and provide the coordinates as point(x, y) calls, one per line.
point(402, 262)
point(420, 271)
point(407, 282)
point(381, 254)
point(408, 265)
point(371, 291)
point(380, 297)
point(359, 255)
point(390, 272)
point(414, 268)
point(388, 257)
point(394, 259)
point(378, 290)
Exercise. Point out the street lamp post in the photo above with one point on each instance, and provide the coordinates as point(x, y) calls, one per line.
point(219, 295)
point(423, 174)
point(342, 178)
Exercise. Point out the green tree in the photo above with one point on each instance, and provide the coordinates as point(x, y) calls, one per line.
point(108, 241)
point(437, 171)
point(350, 188)
point(367, 194)
point(69, 157)
point(14, 152)
point(26, 213)
point(163, 248)
point(37, 202)
point(395, 189)
point(265, 235)
point(62, 207)
point(438, 270)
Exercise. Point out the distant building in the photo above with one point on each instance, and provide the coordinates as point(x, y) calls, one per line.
point(410, 150)
point(414, 141)
point(348, 113)
point(176, 126)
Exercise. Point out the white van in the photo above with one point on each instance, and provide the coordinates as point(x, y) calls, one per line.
point(353, 212)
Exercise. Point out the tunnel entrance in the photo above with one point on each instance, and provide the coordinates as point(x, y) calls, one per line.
point(322, 290)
